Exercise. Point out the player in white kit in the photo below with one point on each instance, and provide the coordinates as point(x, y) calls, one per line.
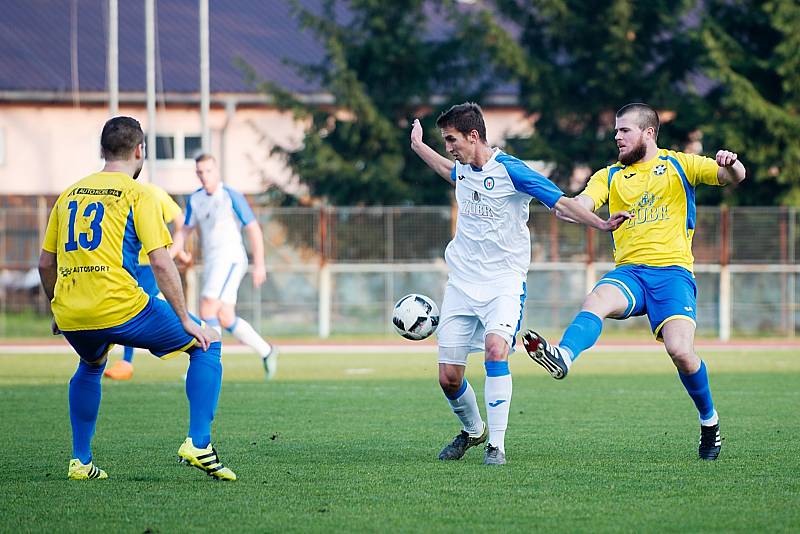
point(488, 260)
point(221, 212)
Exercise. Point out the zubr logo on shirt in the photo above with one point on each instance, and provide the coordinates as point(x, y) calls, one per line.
point(488, 183)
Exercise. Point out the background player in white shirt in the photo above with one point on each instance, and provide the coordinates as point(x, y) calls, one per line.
point(221, 213)
point(488, 260)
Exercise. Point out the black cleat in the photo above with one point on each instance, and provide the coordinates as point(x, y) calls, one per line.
point(460, 444)
point(710, 442)
point(545, 355)
point(494, 456)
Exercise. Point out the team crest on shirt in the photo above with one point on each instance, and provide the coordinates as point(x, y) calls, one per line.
point(660, 169)
point(647, 200)
point(488, 183)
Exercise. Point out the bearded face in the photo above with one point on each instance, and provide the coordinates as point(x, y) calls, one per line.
point(629, 155)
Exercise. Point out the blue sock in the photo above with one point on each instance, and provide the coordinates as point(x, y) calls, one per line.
point(128, 354)
point(699, 390)
point(203, 382)
point(84, 404)
point(582, 333)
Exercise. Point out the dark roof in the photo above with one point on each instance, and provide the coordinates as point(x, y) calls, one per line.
point(36, 45)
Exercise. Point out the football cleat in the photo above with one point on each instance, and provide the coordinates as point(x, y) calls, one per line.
point(205, 460)
point(545, 355)
point(80, 471)
point(460, 444)
point(493, 456)
point(710, 442)
point(270, 362)
point(121, 370)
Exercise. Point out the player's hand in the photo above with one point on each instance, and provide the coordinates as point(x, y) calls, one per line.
point(617, 219)
point(54, 328)
point(183, 258)
point(726, 158)
point(197, 332)
point(416, 133)
point(259, 275)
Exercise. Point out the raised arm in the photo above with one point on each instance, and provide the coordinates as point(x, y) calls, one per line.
point(440, 164)
point(256, 238)
point(731, 170)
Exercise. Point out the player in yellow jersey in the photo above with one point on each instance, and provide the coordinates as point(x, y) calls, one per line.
point(653, 255)
point(123, 369)
point(88, 271)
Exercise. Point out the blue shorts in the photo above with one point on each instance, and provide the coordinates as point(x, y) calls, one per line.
point(662, 293)
point(146, 280)
point(155, 328)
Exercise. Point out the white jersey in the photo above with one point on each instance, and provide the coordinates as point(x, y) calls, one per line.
point(220, 217)
point(492, 246)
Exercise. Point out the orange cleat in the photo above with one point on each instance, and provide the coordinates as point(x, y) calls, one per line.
point(121, 370)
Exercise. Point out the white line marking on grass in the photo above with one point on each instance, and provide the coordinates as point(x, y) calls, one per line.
point(412, 348)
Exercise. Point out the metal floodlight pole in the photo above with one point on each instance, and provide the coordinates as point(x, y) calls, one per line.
point(150, 46)
point(204, 78)
point(113, 58)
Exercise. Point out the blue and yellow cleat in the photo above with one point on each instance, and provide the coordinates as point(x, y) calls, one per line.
point(204, 459)
point(79, 471)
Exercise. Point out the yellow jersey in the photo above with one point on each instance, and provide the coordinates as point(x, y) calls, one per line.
point(96, 229)
point(660, 194)
point(169, 208)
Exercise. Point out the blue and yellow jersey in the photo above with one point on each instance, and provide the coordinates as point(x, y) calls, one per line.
point(96, 229)
point(660, 195)
point(169, 208)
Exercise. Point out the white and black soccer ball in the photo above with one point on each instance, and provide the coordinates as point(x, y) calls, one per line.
point(415, 317)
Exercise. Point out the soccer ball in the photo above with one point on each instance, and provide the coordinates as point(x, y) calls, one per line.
point(415, 317)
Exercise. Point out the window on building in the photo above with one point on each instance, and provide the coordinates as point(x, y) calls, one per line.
point(165, 147)
point(192, 146)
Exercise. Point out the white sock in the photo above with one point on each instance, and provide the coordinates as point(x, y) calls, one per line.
point(565, 354)
point(498, 401)
point(711, 422)
point(245, 333)
point(465, 406)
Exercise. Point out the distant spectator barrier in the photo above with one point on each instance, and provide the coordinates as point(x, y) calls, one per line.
point(338, 270)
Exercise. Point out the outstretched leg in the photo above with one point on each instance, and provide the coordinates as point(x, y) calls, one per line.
point(607, 299)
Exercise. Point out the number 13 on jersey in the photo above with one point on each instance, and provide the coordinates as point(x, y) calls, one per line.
point(88, 240)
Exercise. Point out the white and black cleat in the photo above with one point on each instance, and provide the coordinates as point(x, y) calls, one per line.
point(710, 442)
point(545, 355)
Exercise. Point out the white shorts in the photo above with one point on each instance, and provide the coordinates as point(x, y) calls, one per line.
point(221, 280)
point(465, 321)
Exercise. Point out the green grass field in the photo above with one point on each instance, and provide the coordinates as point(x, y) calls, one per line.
point(349, 442)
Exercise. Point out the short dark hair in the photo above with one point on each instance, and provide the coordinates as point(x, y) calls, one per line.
point(646, 117)
point(464, 118)
point(120, 137)
point(205, 156)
